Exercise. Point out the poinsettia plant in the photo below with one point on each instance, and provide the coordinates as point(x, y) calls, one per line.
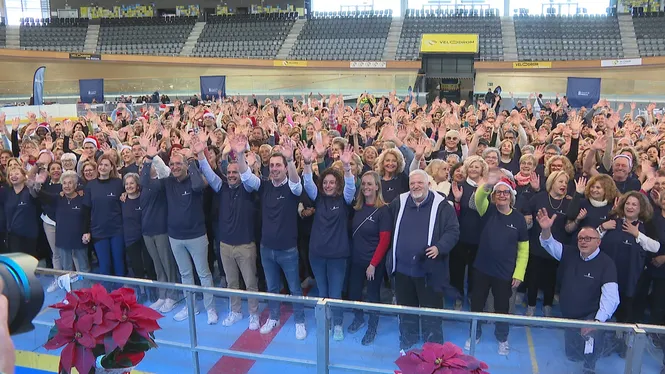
point(436, 358)
point(98, 328)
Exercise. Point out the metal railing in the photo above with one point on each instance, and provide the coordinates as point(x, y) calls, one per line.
point(636, 347)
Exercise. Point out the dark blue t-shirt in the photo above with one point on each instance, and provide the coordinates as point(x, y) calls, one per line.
point(559, 207)
point(103, 199)
point(499, 235)
point(367, 224)
point(70, 222)
point(131, 220)
point(21, 211)
point(330, 229)
point(279, 216)
point(628, 255)
point(236, 215)
point(394, 187)
point(153, 204)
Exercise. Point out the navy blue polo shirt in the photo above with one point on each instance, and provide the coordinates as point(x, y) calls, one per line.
point(131, 220)
point(21, 211)
point(70, 222)
point(628, 255)
point(367, 224)
point(330, 229)
point(279, 216)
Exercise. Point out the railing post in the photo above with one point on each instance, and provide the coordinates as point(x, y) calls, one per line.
point(322, 337)
point(635, 353)
point(474, 330)
point(193, 340)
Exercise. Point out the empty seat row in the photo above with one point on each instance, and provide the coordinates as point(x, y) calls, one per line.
point(161, 35)
point(53, 34)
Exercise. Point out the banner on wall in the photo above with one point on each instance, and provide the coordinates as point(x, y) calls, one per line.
point(90, 89)
point(211, 85)
point(38, 86)
point(290, 63)
point(621, 62)
point(583, 92)
point(449, 43)
point(532, 65)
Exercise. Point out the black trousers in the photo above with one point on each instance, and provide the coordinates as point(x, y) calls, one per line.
point(412, 291)
point(625, 311)
point(462, 256)
point(501, 290)
point(303, 251)
point(357, 279)
point(18, 243)
point(140, 260)
point(541, 274)
point(656, 299)
point(575, 342)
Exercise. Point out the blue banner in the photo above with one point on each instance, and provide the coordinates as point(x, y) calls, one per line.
point(90, 89)
point(210, 86)
point(583, 92)
point(38, 86)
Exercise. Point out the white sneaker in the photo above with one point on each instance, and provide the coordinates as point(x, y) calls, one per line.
point(269, 325)
point(222, 283)
point(458, 304)
point(253, 322)
point(53, 286)
point(467, 345)
point(301, 331)
point(157, 305)
point(212, 316)
point(169, 305)
point(547, 311)
point(308, 282)
point(338, 333)
point(231, 319)
point(504, 348)
point(530, 311)
point(555, 301)
point(183, 314)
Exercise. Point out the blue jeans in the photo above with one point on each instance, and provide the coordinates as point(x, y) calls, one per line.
point(329, 274)
point(111, 251)
point(272, 260)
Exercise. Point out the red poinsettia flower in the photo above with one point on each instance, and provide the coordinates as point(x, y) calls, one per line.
point(78, 342)
point(125, 317)
point(440, 359)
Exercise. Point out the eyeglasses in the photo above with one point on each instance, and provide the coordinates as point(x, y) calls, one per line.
point(504, 193)
point(587, 239)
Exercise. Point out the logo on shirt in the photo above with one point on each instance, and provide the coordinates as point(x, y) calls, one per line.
point(280, 197)
point(603, 217)
point(588, 275)
point(391, 189)
point(626, 242)
point(371, 219)
point(334, 208)
point(21, 203)
point(110, 195)
point(76, 207)
point(186, 193)
point(511, 226)
point(139, 209)
point(559, 211)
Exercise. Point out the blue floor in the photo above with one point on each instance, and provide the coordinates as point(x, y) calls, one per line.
point(547, 356)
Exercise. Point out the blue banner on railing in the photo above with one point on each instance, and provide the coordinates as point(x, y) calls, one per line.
point(583, 92)
point(211, 85)
point(38, 86)
point(91, 89)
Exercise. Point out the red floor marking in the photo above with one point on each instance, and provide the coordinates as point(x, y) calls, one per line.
point(251, 342)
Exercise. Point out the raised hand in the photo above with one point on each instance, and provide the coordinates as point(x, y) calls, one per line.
point(420, 148)
point(151, 148)
point(457, 191)
point(197, 146)
point(306, 152)
point(238, 143)
point(544, 220)
point(346, 155)
point(535, 181)
point(580, 185)
point(16, 121)
point(581, 215)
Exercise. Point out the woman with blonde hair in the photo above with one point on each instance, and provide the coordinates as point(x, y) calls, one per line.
point(464, 253)
point(439, 175)
point(21, 212)
point(371, 227)
point(390, 166)
point(592, 202)
point(542, 268)
point(556, 163)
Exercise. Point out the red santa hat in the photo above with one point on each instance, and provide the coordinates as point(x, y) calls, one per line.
point(208, 114)
point(92, 140)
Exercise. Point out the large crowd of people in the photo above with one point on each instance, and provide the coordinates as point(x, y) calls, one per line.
point(467, 202)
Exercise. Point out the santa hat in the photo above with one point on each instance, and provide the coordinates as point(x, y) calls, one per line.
point(92, 140)
point(208, 114)
point(45, 126)
point(47, 152)
point(508, 183)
